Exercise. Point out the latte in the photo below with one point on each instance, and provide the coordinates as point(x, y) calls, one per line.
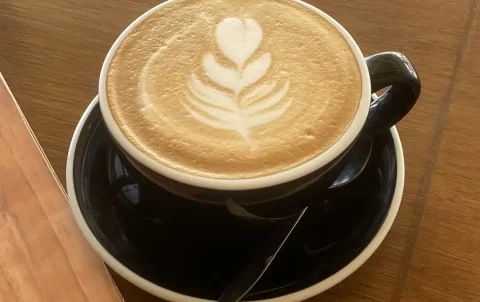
point(234, 89)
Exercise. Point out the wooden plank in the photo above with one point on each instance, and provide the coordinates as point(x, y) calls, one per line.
point(446, 258)
point(43, 255)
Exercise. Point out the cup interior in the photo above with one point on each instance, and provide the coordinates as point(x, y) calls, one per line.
point(297, 172)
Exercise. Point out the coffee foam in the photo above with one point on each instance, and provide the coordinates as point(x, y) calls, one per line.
point(233, 90)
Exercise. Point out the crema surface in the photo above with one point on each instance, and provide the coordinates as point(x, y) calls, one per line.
point(234, 89)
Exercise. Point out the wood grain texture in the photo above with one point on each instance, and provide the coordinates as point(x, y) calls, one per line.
point(43, 255)
point(446, 259)
point(51, 52)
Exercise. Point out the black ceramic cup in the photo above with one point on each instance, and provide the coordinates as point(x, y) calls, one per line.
point(269, 197)
point(385, 69)
point(221, 221)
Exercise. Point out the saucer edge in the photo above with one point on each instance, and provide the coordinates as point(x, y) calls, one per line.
point(173, 296)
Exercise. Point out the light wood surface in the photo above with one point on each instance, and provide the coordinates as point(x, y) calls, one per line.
point(43, 255)
point(51, 52)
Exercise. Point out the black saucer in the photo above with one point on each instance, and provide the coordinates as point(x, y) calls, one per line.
point(119, 216)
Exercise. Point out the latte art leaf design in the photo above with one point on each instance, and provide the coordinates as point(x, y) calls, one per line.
point(237, 111)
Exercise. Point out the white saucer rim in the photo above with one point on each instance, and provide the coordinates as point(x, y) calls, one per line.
point(169, 295)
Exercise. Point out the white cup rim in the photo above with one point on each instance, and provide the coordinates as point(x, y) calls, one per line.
point(169, 295)
point(241, 184)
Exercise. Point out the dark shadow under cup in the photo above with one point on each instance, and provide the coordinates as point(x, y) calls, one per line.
point(195, 254)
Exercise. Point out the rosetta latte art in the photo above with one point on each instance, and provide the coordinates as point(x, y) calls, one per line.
point(233, 89)
point(238, 40)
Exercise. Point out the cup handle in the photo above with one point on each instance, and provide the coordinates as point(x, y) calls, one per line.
point(395, 70)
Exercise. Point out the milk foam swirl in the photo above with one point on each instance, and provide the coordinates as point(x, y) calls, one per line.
point(233, 89)
point(238, 39)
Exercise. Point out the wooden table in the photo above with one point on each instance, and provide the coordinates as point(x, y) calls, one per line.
point(51, 52)
point(44, 256)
